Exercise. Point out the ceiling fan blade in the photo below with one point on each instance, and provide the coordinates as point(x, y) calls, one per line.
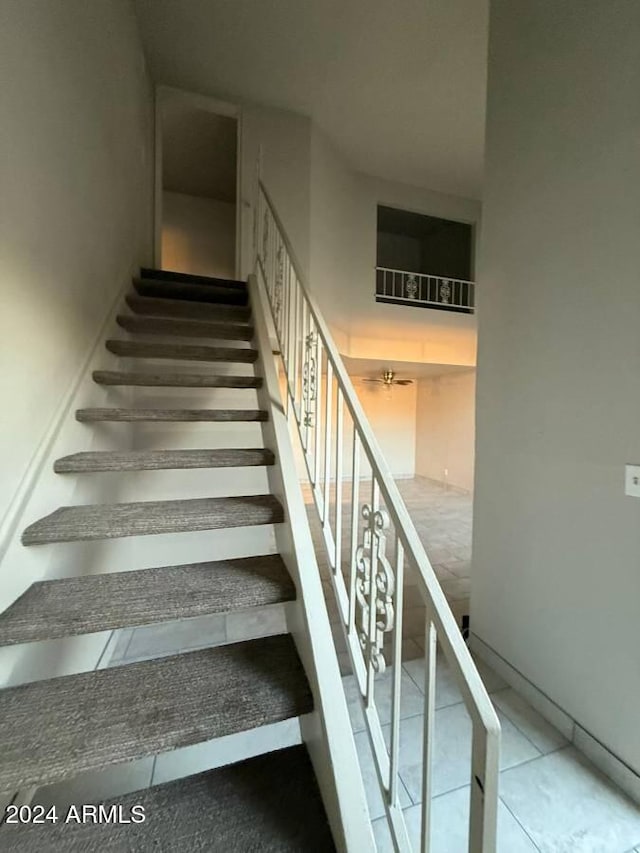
point(403, 381)
point(379, 381)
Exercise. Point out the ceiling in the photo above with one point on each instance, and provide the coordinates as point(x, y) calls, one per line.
point(198, 152)
point(371, 368)
point(398, 85)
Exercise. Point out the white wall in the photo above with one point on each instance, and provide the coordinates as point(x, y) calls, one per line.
point(76, 197)
point(556, 578)
point(284, 139)
point(198, 235)
point(445, 428)
point(344, 206)
point(392, 415)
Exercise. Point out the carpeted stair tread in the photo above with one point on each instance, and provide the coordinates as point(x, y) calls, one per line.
point(216, 292)
point(156, 306)
point(181, 352)
point(83, 605)
point(144, 518)
point(156, 460)
point(163, 415)
point(190, 278)
point(174, 380)
point(185, 328)
point(269, 803)
point(54, 729)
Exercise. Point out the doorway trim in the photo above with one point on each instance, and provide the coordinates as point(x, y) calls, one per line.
point(164, 94)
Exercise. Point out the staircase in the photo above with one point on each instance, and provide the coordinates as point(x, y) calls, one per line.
point(53, 729)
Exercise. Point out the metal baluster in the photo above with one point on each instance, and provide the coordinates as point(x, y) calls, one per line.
point(338, 536)
point(317, 413)
point(326, 503)
point(306, 390)
point(296, 344)
point(355, 500)
point(371, 627)
point(394, 785)
point(485, 769)
point(428, 731)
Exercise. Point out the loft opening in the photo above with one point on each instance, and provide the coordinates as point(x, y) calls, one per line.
point(424, 261)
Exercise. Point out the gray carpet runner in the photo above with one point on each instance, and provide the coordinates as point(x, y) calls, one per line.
point(189, 278)
point(159, 307)
point(181, 352)
point(185, 328)
point(82, 605)
point(54, 729)
point(192, 291)
point(156, 460)
point(144, 518)
point(186, 415)
point(174, 380)
point(268, 804)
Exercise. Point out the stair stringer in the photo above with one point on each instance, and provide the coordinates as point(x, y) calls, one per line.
point(327, 731)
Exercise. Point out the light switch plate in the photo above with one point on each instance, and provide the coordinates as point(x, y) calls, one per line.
point(632, 480)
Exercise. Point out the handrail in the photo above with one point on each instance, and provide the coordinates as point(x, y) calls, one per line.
point(371, 604)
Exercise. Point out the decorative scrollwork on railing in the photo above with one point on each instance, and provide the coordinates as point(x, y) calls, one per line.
point(372, 567)
point(411, 286)
point(278, 286)
point(444, 292)
point(309, 380)
point(265, 237)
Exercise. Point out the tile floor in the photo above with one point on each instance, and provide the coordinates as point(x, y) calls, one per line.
point(551, 798)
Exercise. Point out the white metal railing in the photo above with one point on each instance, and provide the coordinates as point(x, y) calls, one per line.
point(336, 437)
point(430, 291)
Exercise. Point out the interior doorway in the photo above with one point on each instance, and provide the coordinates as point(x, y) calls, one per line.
point(197, 180)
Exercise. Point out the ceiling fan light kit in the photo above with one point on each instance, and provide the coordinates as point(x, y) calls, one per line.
point(388, 379)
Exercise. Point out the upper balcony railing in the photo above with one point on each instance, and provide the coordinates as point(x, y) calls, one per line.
point(425, 291)
point(370, 543)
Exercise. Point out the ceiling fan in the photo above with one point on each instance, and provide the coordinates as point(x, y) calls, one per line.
point(388, 379)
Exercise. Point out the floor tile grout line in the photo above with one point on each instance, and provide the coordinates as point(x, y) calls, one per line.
point(513, 815)
point(535, 758)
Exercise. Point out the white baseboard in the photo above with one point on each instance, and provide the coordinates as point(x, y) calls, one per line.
point(601, 756)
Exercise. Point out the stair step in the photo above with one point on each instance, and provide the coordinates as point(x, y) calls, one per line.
point(83, 605)
point(143, 518)
point(162, 415)
point(185, 328)
point(174, 380)
point(156, 460)
point(54, 729)
point(271, 803)
point(216, 292)
point(189, 278)
point(158, 307)
point(184, 352)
